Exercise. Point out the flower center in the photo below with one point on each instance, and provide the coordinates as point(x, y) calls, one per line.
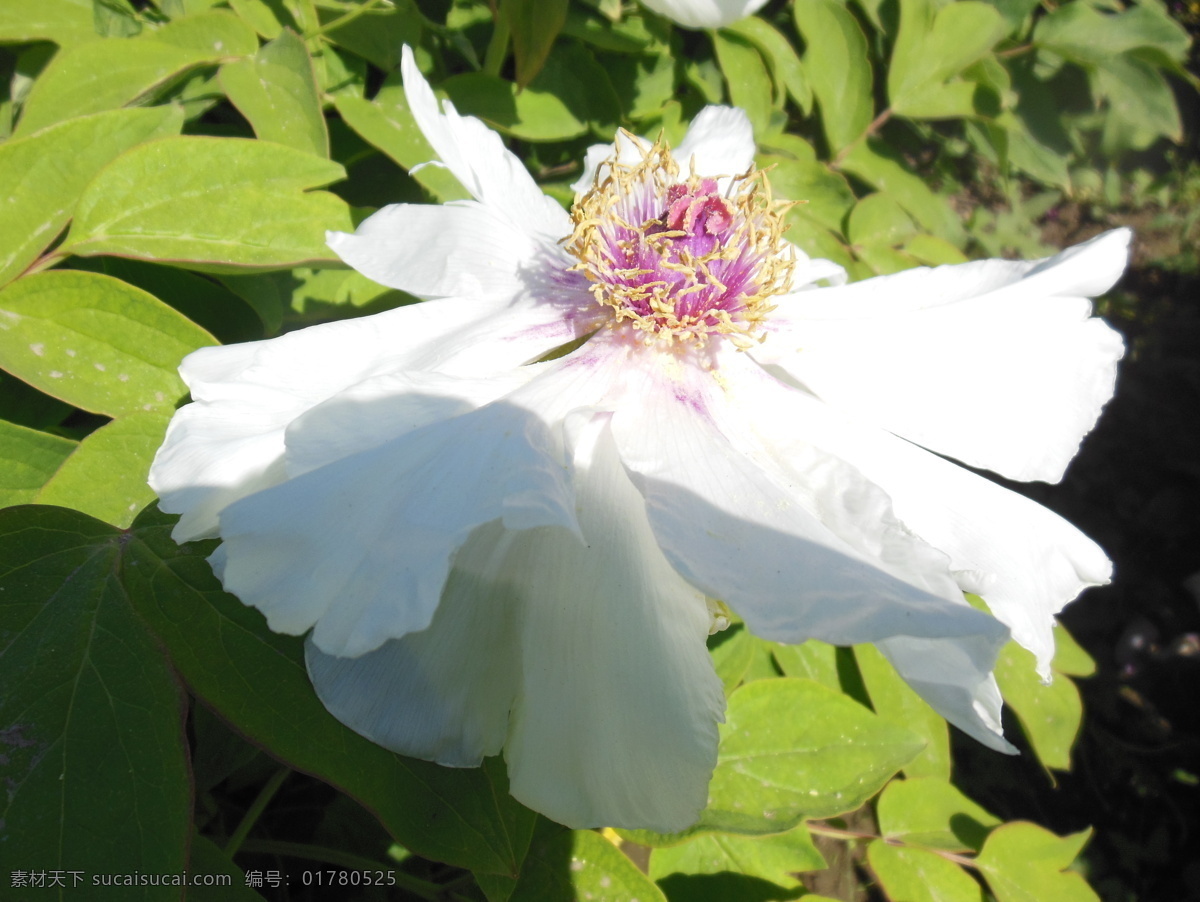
point(681, 259)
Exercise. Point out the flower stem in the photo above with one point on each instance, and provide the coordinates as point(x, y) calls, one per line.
point(346, 19)
point(255, 811)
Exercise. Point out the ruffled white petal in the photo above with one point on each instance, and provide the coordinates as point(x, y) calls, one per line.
point(228, 442)
point(995, 363)
point(705, 13)
point(460, 249)
point(1025, 560)
point(616, 719)
point(719, 142)
point(481, 162)
point(360, 549)
point(814, 553)
point(442, 694)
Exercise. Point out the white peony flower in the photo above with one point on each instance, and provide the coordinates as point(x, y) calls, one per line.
point(495, 553)
point(705, 13)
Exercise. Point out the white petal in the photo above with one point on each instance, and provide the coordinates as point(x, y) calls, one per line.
point(1025, 560)
point(705, 13)
point(616, 721)
point(228, 443)
point(719, 142)
point(442, 694)
point(362, 547)
point(995, 363)
point(440, 251)
point(481, 162)
point(736, 529)
point(954, 676)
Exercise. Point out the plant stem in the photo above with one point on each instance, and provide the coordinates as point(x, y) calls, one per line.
point(255, 811)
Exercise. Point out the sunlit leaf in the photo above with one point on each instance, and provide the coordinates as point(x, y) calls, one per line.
point(579, 864)
point(95, 342)
point(774, 858)
point(917, 875)
point(1025, 863)
point(835, 59)
point(894, 700)
point(933, 813)
point(534, 24)
point(28, 458)
point(236, 203)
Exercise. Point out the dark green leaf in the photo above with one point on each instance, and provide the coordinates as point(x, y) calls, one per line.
point(532, 114)
point(378, 34)
point(774, 858)
point(534, 24)
point(579, 864)
point(93, 742)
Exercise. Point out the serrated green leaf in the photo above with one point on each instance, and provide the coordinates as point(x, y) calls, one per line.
point(932, 812)
point(95, 342)
point(791, 749)
point(277, 93)
point(95, 757)
point(65, 22)
point(916, 875)
point(1024, 863)
point(531, 114)
point(579, 864)
point(28, 458)
point(238, 203)
point(533, 24)
point(45, 174)
point(103, 75)
point(216, 32)
point(1050, 715)
point(105, 477)
point(746, 77)
point(935, 45)
point(773, 858)
point(894, 700)
point(255, 680)
point(837, 64)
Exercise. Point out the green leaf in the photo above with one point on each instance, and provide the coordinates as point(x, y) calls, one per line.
point(574, 75)
point(786, 67)
point(531, 114)
point(96, 761)
point(267, 17)
point(1069, 656)
point(1024, 863)
point(932, 813)
point(773, 858)
point(1141, 105)
point(837, 64)
point(255, 680)
point(1083, 34)
point(45, 174)
point(277, 92)
point(791, 749)
point(103, 75)
point(935, 45)
point(378, 34)
point(105, 477)
point(879, 167)
point(916, 875)
point(533, 24)
point(65, 22)
point(237, 203)
point(933, 251)
point(894, 700)
point(216, 32)
point(746, 77)
point(811, 660)
point(732, 653)
point(879, 219)
point(95, 342)
point(208, 859)
point(579, 864)
point(1050, 715)
point(27, 459)
point(387, 124)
